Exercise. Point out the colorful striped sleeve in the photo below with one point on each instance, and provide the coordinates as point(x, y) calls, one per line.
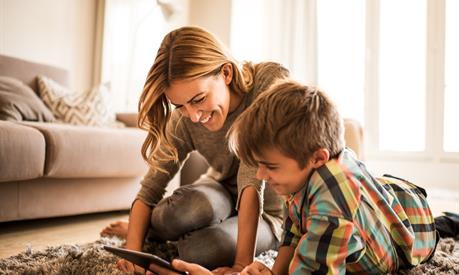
point(291, 235)
point(328, 245)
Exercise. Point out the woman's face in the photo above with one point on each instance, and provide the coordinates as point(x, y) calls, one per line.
point(206, 100)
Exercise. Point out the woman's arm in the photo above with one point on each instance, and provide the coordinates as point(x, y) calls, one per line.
point(248, 218)
point(139, 220)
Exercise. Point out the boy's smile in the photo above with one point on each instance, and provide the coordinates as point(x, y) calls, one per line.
point(281, 172)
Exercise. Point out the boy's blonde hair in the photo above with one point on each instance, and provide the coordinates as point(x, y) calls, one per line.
point(185, 53)
point(292, 118)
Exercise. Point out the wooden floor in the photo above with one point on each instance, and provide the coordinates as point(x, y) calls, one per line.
point(16, 236)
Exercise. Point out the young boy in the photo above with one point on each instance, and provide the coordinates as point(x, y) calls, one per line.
point(340, 218)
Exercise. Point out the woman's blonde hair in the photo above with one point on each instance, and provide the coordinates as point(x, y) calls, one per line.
point(185, 53)
point(292, 118)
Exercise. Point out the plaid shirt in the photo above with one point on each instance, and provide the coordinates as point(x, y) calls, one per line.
point(346, 221)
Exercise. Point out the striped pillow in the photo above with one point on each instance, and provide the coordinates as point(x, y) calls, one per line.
point(92, 108)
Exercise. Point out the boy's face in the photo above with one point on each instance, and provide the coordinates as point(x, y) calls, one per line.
point(281, 172)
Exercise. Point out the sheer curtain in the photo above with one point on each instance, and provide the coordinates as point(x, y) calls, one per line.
point(302, 35)
point(132, 33)
point(390, 64)
point(275, 30)
point(451, 99)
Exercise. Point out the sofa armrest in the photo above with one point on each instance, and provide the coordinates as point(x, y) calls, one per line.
point(129, 119)
point(353, 135)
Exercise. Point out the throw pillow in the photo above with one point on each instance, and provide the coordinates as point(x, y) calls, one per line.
point(19, 102)
point(91, 108)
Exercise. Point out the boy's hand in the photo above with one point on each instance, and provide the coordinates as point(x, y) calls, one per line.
point(256, 268)
point(191, 269)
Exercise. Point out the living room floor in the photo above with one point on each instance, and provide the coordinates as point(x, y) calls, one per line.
point(16, 236)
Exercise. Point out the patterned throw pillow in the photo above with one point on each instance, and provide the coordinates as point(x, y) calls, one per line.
point(92, 108)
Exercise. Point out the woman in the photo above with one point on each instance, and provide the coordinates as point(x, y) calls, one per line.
point(193, 93)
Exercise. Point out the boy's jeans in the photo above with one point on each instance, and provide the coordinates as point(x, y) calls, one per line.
point(202, 218)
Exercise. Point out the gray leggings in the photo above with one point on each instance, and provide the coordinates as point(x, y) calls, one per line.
point(201, 217)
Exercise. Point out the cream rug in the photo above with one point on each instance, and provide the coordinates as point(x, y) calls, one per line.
point(93, 259)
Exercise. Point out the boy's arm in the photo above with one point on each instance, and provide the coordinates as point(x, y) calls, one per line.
point(248, 217)
point(283, 259)
point(327, 246)
point(280, 266)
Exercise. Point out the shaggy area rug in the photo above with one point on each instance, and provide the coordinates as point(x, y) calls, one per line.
point(93, 259)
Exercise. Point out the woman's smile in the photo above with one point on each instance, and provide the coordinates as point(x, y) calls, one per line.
point(206, 119)
point(205, 100)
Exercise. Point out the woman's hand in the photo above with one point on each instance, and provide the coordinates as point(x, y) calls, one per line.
point(256, 268)
point(191, 269)
point(128, 267)
point(139, 220)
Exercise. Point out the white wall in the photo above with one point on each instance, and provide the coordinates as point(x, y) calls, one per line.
point(213, 15)
point(55, 32)
point(62, 32)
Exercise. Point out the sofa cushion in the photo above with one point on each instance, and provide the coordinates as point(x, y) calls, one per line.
point(22, 152)
point(87, 108)
point(91, 152)
point(18, 102)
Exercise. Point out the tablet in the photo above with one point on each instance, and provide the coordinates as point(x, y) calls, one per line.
point(141, 259)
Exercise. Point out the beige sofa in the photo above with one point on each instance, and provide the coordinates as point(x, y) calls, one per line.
point(51, 169)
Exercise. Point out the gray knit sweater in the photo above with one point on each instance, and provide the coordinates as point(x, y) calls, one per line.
point(213, 146)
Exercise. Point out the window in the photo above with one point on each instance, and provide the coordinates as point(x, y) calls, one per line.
point(391, 64)
point(252, 51)
point(340, 70)
point(451, 101)
point(402, 80)
point(133, 31)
